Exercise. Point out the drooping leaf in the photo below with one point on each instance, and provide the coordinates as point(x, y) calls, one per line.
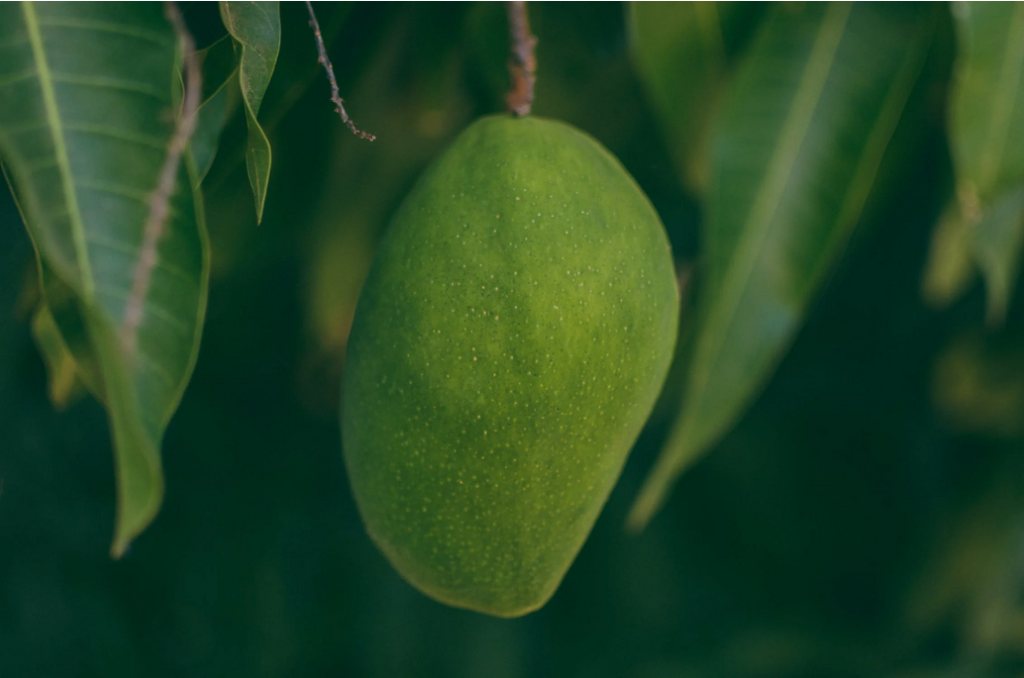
point(809, 118)
point(996, 242)
point(682, 52)
point(987, 139)
point(65, 387)
point(64, 308)
point(987, 100)
point(950, 266)
point(88, 97)
point(256, 29)
point(63, 344)
point(219, 68)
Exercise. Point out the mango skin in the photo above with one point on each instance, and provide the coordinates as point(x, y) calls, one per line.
point(513, 334)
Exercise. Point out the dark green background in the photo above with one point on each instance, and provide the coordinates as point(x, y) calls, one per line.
point(865, 518)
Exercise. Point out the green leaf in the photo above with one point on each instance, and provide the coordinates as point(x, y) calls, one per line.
point(809, 118)
point(987, 101)
point(62, 306)
point(950, 267)
point(682, 54)
point(256, 29)
point(65, 387)
point(987, 139)
point(996, 244)
point(88, 93)
point(219, 68)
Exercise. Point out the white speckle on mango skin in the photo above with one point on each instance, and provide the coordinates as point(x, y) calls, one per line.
point(480, 479)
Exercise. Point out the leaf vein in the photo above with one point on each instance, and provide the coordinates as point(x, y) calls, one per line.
point(101, 82)
point(19, 76)
point(150, 308)
point(119, 134)
point(107, 27)
point(60, 147)
point(134, 251)
point(135, 194)
point(10, 131)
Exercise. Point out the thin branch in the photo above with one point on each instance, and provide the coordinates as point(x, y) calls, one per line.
point(159, 204)
point(339, 104)
point(522, 64)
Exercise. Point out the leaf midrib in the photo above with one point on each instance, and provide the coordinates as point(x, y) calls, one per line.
point(808, 94)
point(59, 147)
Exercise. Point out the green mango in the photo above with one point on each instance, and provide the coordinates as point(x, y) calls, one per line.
point(513, 334)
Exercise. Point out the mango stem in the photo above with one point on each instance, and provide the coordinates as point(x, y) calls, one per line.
point(522, 64)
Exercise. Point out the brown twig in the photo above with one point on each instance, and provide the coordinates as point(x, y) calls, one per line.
point(159, 203)
point(339, 104)
point(522, 64)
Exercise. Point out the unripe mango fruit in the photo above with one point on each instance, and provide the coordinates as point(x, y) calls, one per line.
point(513, 334)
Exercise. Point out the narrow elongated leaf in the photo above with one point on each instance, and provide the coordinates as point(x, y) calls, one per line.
point(88, 96)
point(987, 138)
point(70, 363)
point(65, 386)
point(810, 116)
point(681, 52)
point(63, 306)
point(256, 29)
point(996, 243)
point(951, 267)
point(219, 68)
point(987, 100)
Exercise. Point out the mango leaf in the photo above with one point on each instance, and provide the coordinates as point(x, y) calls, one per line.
point(987, 139)
point(256, 29)
point(88, 96)
point(65, 387)
point(682, 53)
point(61, 304)
point(219, 68)
point(63, 343)
point(950, 267)
point(986, 102)
point(996, 244)
point(811, 113)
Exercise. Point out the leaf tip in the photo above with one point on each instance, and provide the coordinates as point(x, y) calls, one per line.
point(652, 496)
point(640, 515)
point(995, 308)
point(131, 522)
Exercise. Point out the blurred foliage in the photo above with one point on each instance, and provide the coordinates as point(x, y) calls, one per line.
point(795, 154)
point(985, 225)
point(863, 518)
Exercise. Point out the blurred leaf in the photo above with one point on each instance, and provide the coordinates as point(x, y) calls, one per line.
point(681, 53)
point(808, 121)
point(61, 304)
point(996, 242)
point(256, 29)
point(219, 68)
point(950, 268)
point(986, 105)
point(978, 385)
point(87, 95)
point(987, 139)
point(64, 386)
point(971, 589)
